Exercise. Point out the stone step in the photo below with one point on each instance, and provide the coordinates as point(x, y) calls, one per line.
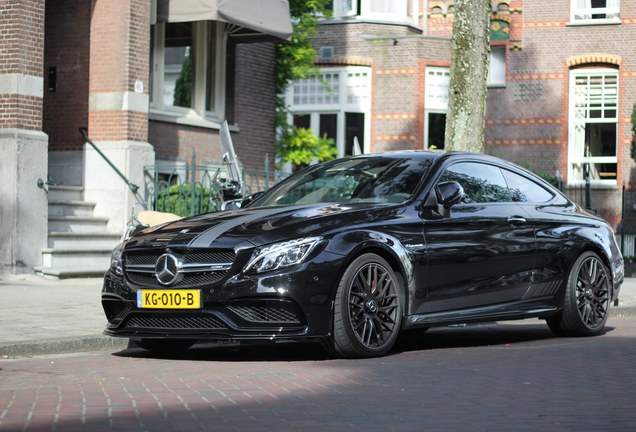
point(69, 272)
point(79, 258)
point(96, 239)
point(77, 224)
point(71, 208)
point(65, 193)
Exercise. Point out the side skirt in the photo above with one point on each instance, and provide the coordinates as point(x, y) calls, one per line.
point(506, 311)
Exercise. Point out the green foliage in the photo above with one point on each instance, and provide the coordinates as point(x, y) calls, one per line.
point(177, 199)
point(549, 178)
point(633, 148)
point(301, 147)
point(295, 60)
point(183, 86)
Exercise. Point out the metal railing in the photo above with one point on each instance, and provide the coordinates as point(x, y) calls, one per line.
point(191, 189)
point(133, 187)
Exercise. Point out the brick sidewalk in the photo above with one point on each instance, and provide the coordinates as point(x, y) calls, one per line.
point(478, 378)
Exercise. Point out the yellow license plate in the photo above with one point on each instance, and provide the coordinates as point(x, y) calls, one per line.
point(169, 299)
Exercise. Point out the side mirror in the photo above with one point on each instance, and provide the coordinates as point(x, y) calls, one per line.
point(449, 193)
point(248, 199)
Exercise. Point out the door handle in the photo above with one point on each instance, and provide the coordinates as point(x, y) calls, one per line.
point(516, 220)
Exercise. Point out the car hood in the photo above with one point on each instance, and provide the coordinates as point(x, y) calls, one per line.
point(258, 226)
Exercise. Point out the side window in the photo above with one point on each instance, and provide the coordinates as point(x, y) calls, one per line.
point(482, 183)
point(525, 190)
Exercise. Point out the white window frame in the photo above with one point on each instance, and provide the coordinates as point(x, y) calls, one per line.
point(581, 12)
point(497, 66)
point(438, 77)
point(197, 115)
point(576, 129)
point(339, 104)
point(407, 11)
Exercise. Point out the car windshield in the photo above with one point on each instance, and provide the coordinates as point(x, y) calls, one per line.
point(361, 179)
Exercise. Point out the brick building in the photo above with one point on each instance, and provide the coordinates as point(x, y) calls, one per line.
point(562, 84)
point(150, 80)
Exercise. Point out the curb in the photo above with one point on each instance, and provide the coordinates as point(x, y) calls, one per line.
point(62, 346)
point(622, 312)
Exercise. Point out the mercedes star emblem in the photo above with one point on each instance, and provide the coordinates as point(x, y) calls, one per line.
point(167, 269)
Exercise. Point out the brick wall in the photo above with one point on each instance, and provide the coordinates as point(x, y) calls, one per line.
point(67, 50)
point(119, 56)
point(528, 119)
point(21, 25)
point(397, 56)
point(255, 104)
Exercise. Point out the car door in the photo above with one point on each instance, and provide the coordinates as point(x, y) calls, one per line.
point(480, 254)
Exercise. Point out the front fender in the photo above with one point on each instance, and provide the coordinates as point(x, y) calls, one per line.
point(354, 243)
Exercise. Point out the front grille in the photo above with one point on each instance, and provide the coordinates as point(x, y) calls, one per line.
point(192, 322)
point(139, 267)
point(193, 256)
point(267, 312)
point(189, 280)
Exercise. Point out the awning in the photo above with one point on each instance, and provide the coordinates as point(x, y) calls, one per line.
point(246, 18)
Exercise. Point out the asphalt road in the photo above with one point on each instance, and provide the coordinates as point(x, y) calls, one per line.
point(508, 377)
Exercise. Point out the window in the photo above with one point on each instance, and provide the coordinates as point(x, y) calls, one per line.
point(593, 122)
point(594, 11)
point(523, 189)
point(497, 66)
point(485, 183)
point(187, 69)
point(436, 106)
point(405, 11)
point(482, 183)
point(335, 103)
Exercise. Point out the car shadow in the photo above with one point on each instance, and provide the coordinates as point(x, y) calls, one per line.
point(209, 351)
point(448, 337)
point(475, 335)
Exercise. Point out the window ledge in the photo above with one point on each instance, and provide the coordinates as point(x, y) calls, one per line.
point(365, 20)
point(595, 185)
point(496, 86)
point(188, 120)
point(594, 22)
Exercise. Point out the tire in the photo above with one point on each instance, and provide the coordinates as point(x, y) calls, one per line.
point(367, 309)
point(165, 346)
point(587, 299)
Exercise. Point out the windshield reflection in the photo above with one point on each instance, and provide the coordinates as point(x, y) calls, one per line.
point(370, 180)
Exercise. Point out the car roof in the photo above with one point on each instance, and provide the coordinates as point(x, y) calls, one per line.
point(435, 155)
point(440, 156)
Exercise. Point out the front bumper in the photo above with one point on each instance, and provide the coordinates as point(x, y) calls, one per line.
point(292, 306)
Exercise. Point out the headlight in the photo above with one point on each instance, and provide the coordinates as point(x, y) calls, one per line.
point(281, 255)
point(115, 260)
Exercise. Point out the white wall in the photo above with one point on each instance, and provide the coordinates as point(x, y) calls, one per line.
point(23, 205)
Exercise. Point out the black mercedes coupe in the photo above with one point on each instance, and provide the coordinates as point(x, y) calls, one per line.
point(352, 251)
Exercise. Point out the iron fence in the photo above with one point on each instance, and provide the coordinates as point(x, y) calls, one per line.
point(191, 189)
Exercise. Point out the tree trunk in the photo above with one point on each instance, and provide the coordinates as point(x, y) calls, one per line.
point(470, 56)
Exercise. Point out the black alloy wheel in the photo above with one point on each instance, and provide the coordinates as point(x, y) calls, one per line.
point(368, 308)
point(587, 299)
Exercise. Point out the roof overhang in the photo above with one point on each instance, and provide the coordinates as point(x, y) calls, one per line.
point(247, 20)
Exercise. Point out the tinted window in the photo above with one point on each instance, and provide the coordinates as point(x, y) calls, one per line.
point(374, 179)
point(525, 190)
point(482, 183)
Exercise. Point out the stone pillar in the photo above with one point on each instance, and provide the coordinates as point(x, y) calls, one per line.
point(118, 106)
point(23, 145)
